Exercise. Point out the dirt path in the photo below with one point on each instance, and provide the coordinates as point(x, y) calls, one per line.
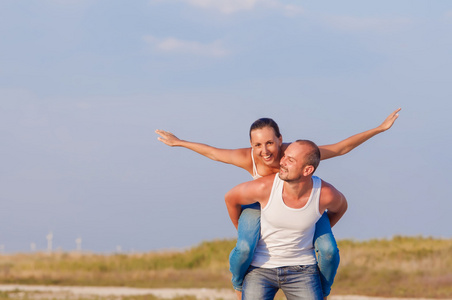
point(68, 292)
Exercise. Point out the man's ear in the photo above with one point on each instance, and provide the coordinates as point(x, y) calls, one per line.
point(308, 170)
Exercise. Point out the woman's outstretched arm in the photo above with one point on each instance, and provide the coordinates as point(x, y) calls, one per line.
point(345, 146)
point(238, 157)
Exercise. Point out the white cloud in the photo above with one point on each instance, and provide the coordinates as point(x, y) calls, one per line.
point(292, 10)
point(70, 3)
point(173, 45)
point(234, 6)
point(224, 6)
point(349, 23)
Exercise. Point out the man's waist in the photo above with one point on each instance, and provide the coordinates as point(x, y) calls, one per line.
point(271, 260)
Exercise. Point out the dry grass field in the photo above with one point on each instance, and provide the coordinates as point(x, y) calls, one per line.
point(400, 267)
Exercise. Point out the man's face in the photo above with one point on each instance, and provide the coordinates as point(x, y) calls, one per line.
point(266, 145)
point(292, 164)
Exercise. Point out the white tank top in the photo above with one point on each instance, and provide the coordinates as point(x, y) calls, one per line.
point(287, 233)
point(255, 174)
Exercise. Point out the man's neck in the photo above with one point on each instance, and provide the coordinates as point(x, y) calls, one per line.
point(296, 193)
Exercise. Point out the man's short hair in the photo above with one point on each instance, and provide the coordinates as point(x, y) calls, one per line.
point(313, 157)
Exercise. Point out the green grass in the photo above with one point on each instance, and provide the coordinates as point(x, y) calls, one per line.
point(399, 267)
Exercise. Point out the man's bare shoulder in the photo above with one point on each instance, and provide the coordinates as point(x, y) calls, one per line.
point(333, 201)
point(251, 191)
point(263, 187)
point(328, 192)
point(265, 181)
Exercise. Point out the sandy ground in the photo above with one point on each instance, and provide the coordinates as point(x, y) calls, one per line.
point(68, 292)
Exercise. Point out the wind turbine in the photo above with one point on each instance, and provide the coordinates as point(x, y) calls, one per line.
point(78, 242)
point(49, 241)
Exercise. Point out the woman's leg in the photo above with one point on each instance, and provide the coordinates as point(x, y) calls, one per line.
point(248, 236)
point(327, 253)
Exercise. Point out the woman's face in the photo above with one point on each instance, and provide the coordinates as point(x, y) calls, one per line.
point(266, 145)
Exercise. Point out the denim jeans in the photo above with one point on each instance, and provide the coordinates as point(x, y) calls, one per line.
point(327, 253)
point(248, 236)
point(297, 283)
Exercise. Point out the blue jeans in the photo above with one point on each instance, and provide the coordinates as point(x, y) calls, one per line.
point(327, 253)
point(248, 236)
point(297, 283)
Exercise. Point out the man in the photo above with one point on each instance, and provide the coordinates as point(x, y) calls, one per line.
point(292, 201)
point(263, 158)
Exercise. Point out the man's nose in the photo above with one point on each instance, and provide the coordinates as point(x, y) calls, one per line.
point(282, 161)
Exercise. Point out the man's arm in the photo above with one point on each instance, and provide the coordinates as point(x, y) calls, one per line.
point(333, 201)
point(247, 193)
point(335, 214)
point(238, 157)
point(345, 146)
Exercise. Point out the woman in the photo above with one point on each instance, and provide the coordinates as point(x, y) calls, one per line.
point(263, 159)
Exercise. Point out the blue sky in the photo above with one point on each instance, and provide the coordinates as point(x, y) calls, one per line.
point(84, 84)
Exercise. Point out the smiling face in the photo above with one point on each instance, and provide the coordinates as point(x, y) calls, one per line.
point(266, 145)
point(300, 160)
point(291, 164)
